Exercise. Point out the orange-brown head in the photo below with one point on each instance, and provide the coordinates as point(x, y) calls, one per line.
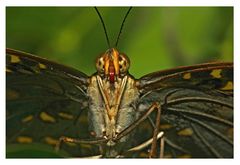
point(112, 64)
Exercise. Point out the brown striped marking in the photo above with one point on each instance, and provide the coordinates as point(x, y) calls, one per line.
point(51, 141)
point(216, 73)
point(8, 70)
point(12, 94)
point(185, 132)
point(187, 76)
point(27, 119)
point(14, 59)
point(165, 126)
point(228, 86)
point(46, 117)
point(24, 139)
point(65, 115)
point(184, 156)
point(42, 66)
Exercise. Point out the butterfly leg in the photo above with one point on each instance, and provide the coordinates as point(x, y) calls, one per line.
point(153, 151)
point(154, 106)
point(145, 144)
point(78, 141)
point(63, 139)
point(162, 142)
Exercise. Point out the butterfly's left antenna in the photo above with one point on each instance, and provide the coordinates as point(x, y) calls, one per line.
point(104, 27)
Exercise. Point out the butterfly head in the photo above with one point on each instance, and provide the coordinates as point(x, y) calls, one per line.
point(112, 64)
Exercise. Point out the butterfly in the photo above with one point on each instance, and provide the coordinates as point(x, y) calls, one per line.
point(181, 112)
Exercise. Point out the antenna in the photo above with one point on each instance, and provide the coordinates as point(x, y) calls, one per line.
point(104, 27)
point(120, 31)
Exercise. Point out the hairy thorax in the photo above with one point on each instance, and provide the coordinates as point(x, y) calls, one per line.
point(112, 109)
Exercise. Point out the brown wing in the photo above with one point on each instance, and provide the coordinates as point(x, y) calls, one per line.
point(45, 101)
point(197, 108)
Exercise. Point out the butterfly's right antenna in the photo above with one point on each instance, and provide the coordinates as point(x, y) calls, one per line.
point(104, 27)
point(120, 31)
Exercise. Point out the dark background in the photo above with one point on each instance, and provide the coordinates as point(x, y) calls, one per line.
point(153, 38)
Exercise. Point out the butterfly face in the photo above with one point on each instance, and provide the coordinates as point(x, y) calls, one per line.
point(112, 65)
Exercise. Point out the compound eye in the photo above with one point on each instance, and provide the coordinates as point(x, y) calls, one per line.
point(100, 64)
point(124, 63)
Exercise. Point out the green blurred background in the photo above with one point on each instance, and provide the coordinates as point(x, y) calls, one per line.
point(154, 38)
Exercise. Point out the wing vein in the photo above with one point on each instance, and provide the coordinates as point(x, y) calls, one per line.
point(210, 128)
point(203, 115)
point(209, 146)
